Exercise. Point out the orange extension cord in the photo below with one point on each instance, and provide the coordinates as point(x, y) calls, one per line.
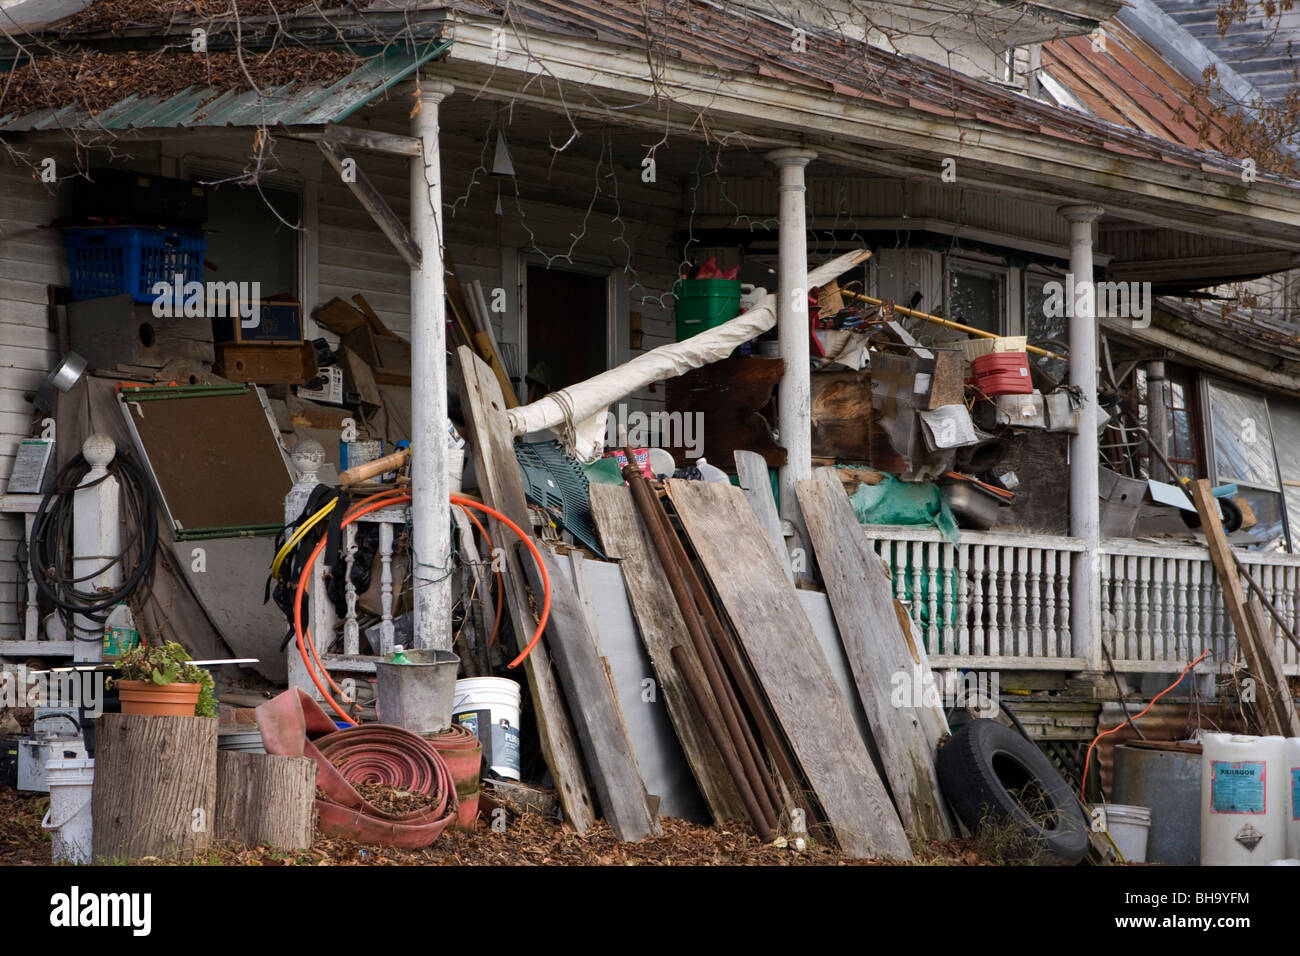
point(1083, 783)
point(386, 499)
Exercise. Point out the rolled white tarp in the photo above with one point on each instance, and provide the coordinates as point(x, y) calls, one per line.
point(577, 413)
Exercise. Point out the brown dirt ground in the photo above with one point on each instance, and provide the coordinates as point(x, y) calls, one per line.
point(528, 840)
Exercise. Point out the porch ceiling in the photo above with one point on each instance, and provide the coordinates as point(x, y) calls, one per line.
point(734, 80)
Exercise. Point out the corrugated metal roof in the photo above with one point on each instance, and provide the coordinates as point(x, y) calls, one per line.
point(1261, 49)
point(292, 104)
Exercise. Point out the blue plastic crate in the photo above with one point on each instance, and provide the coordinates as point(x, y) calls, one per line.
point(131, 259)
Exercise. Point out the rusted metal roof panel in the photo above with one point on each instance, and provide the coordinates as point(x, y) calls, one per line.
point(1128, 83)
point(717, 37)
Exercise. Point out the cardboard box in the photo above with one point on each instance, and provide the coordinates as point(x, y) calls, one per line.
point(331, 392)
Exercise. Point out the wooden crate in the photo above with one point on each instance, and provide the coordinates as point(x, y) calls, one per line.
point(267, 364)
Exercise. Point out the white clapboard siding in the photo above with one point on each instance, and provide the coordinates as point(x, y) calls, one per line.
point(31, 257)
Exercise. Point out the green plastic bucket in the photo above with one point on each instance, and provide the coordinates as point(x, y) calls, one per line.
point(705, 303)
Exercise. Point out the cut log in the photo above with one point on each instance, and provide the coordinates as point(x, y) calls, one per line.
point(155, 791)
point(266, 799)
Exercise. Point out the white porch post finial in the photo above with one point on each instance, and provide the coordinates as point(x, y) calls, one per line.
point(430, 508)
point(96, 538)
point(1085, 508)
point(794, 403)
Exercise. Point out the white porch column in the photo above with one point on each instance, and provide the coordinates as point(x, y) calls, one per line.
point(430, 509)
point(793, 393)
point(1085, 511)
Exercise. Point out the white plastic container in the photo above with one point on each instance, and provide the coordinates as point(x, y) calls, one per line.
point(1291, 809)
point(1244, 786)
point(68, 819)
point(1128, 827)
point(712, 473)
point(489, 708)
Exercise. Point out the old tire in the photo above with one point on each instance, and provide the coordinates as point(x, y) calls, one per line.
point(991, 774)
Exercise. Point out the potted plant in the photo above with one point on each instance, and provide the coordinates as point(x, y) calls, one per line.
point(159, 680)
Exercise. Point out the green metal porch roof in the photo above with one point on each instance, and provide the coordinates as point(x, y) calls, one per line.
point(292, 104)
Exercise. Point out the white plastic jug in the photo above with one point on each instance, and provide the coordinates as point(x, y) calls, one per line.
point(1244, 787)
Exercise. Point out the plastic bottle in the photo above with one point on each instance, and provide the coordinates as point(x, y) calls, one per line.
point(398, 657)
point(710, 473)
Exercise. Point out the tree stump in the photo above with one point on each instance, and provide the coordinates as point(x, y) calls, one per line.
point(266, 799)
point(155, 790)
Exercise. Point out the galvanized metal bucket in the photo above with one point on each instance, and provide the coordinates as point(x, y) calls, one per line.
point(417, 696)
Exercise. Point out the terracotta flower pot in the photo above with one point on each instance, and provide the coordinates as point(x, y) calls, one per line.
point(158, 700)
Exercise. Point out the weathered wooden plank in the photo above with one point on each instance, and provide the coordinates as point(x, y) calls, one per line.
point(1271, 673)
point(1244, 618)
point(754, 482)
point(502, 488)
point(783, 652)
point(659, 621)
point(374, 203)
point(598, 719)
point(878, 654)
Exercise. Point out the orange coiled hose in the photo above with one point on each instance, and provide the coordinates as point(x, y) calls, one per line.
point(364, 507)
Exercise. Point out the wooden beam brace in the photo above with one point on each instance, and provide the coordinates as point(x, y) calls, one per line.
point(362, 139)
point(373, 203)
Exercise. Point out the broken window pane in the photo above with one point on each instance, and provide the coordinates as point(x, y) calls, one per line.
point(1047, 331)
point(1243, 441)
point(975, 298)
point(1285, 415)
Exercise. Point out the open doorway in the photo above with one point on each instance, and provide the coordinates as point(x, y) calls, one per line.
point(567, 337)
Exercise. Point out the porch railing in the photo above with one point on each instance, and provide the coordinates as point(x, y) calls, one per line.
point(1003, 600)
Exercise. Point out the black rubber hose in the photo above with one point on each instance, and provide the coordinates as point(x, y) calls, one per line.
point(50, 547)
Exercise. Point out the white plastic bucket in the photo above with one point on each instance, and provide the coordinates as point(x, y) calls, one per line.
point(69, 819)
point(1129, 827)
point(1244, 791)
point(489, 708)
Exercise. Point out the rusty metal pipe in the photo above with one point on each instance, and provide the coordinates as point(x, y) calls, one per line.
point(698, 691)
point(739, 670)
point(651, 514)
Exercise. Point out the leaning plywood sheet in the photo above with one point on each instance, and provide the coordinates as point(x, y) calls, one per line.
point(501, 487)
point(598, 719)
point(624, 537)
point(877, 651)
point(659, 754)
point(783, 652)
point(227, 576)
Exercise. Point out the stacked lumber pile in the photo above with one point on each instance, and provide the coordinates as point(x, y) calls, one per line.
point(782, 722)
